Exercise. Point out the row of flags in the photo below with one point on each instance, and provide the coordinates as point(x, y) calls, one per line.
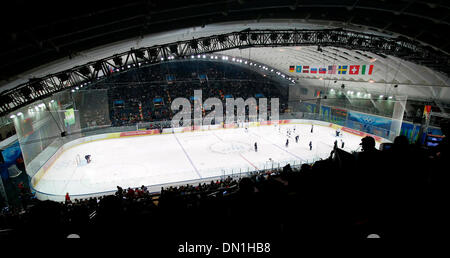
point(333, 69)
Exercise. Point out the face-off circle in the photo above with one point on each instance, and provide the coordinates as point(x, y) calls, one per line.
point(230, 147)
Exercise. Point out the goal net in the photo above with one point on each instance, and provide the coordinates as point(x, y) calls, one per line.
point(78, 160)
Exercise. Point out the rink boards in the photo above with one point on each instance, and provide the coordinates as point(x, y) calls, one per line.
point(42, 189)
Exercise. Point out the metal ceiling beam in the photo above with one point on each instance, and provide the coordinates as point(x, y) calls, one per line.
point(25, 94)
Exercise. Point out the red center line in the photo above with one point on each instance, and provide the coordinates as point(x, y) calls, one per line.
point(248, 161)
point(239, 154)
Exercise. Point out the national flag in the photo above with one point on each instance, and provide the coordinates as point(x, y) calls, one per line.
point(426, 112)
point(317, 93)
point(365, 71)
point(298, 69)
point(323, 70)
point(342, 69)
point(332, 69)
point(354, 69)
point(291, 68)
point(313, 70)
point(305, 69)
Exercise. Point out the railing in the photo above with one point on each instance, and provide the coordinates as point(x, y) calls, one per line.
point(218, 174)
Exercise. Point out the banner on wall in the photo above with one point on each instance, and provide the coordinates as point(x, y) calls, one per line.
point(69, 117)
point(12, 153)
point(338, 116)
point(367, 119)
point(310, 108)
point(325, 112)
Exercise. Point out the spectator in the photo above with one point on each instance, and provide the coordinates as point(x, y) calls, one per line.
point(68, 199)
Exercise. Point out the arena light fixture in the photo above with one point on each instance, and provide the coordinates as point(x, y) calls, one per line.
point(63, 77)
point(20, 114)
point(117, 60)
point(85, 71)
point(153, 53)
point(381, 96)
point(207, 42)
point(194, 44)
point(173, 49)
point(222, 38)
point(243, 37)
point(139, 53)
point(12, 116)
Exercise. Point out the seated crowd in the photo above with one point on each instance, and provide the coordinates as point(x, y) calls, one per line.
point(145, 95)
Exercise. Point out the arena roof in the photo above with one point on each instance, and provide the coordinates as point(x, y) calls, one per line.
point(42, 38)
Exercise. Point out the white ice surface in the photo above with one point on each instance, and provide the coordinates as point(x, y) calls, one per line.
point(169, 158)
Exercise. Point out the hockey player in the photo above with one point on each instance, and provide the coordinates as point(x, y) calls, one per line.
point(312, 128)
point(296, 138)
point(256, 147)
point(342, 144)
point(310, 145)
point(335, 144)
point(287, 142)
point(338, 132)
point(88, 158)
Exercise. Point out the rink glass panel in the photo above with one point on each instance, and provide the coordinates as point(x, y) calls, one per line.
point(40, 126)
point(379, 117)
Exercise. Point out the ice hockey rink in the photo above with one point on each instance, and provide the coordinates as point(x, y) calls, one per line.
point(170, 158)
